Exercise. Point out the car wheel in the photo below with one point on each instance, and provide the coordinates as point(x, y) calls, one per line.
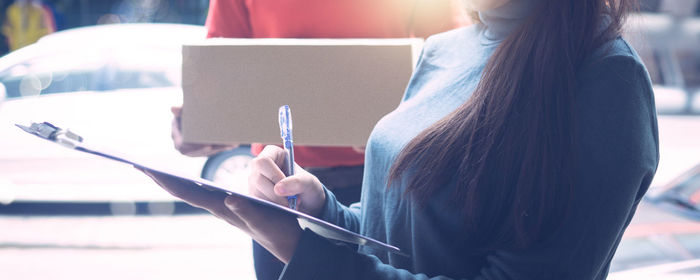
point(229, 168)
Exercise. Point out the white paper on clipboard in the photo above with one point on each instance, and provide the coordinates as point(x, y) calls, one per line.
point(70, 140)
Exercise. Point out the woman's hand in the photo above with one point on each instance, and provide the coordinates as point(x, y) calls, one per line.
point(267, 181)
point(192, 149)
point(278, 233)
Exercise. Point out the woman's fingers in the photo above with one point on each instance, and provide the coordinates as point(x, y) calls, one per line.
point(183, 189)
point(214, 202)
point(258, 192)
point(251, 216)
point(262, 187)
point(307, 188)
point(189, 192)
point(277, 232)
point(267, 181)
point(293, 185)
point(269, 163)
point(266, 172)
point(240, 209)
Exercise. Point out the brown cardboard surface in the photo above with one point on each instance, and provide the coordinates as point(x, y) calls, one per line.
point(337, 89)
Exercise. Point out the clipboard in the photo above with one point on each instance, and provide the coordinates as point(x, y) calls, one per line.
point(73, 141)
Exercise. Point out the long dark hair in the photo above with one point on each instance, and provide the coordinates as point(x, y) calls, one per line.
point(509, 147)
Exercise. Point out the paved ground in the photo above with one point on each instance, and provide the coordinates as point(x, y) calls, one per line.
point(109, 247)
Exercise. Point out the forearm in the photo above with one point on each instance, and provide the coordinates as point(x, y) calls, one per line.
point(336, 213)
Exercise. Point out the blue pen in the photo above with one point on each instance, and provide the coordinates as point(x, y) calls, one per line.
point(285, 119)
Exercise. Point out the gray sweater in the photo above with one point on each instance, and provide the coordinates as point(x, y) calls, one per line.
point(617, 155)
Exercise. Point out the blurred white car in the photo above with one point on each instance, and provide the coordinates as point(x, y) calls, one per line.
point(113, 85)
point(663, 240)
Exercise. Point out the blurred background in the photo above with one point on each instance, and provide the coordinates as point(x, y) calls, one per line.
point(111, 69)
point(59, 15)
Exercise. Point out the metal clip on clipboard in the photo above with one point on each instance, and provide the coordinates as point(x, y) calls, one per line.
point(52, 133)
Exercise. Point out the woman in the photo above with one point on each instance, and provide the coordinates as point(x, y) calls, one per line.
point(520, 151)
point(340, 168)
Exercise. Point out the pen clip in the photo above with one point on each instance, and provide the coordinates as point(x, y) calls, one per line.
point(285, 121)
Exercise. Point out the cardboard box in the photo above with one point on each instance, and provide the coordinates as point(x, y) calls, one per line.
point(337, 89)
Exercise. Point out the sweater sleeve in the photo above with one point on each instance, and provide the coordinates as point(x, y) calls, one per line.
point(338, 214)
point(229, 19)
point(616, 157)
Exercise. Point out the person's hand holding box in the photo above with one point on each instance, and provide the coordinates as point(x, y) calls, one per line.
point(193, 149)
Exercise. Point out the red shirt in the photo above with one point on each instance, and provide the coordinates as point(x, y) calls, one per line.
point(330, 19)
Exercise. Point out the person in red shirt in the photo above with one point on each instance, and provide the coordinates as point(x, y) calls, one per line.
point(340, 168)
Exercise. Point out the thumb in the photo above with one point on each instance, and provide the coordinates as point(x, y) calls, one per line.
point(289, 186)
point(296, 184)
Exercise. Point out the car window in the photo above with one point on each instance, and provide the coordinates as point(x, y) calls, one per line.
point(48, 83)
point(690, 242)
point(100, 70)
point(144, 67)
point(689, 61)
point(690, 188)
point(640, 252)
point(53, 73)
point(125, 79)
